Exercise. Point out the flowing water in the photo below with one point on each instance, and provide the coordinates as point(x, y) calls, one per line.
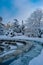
point(26, 57)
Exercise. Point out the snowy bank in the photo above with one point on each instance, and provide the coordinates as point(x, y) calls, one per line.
point(37, 60)
point(15, 52)
point(27, 57)
point(21, 38)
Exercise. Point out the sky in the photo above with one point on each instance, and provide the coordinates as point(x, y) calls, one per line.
point(20, 9)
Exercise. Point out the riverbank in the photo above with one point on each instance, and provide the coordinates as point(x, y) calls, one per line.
point(27, 57)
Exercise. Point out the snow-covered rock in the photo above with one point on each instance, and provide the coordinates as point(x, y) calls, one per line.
point(13, 47)
point(19, 45)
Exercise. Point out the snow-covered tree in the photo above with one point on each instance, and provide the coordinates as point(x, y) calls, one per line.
point(33, 22)
point(15, 26)
point(16, 23)
point(1, 19)
point(22, 27)
point(2, 27)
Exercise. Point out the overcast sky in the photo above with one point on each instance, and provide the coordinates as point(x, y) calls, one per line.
point(20, 9)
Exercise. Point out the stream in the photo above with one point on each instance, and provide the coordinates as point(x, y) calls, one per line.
point(26, 58)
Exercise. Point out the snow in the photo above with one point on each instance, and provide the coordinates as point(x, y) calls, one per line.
point(38, 60)
point(24, 60)
point(27, 57)
point(23, 38)
point(6, 53)
point(13, 47)
point(19, 44)
point(42, 35)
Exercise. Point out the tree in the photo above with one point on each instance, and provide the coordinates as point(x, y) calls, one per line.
point(33, 22)
point(1, 19)
point(2, 27)
point(16, 23)
point(22, 27)
point(15, 26)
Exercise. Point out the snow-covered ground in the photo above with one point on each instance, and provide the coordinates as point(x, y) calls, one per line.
point(31, 55)
point(37, 60)
point(21, 38)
